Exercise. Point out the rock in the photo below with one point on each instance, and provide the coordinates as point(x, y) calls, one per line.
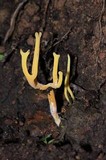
point(35, 18)
point(3, 15)
point(2, 49)
point(30, 40)
point(58, 4)
point(35, 131)
point(31, 9)
point(104, 31)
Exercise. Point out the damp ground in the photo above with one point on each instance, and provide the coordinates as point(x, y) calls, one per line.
point(27, 129)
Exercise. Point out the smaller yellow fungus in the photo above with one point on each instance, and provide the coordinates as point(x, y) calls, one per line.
point(67, 90)
point(53, 107)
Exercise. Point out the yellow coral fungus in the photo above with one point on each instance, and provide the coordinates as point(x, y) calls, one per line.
point(57, 77)
point(32, 78)
point(67, 89)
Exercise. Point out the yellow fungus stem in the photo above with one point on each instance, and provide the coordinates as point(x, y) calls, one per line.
point(53, 107)
point(67, 90)
point(31, 77)
point(55, 68)
point(57, 79)
point(35, 62)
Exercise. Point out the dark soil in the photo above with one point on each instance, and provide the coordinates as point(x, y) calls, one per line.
point(27, 130)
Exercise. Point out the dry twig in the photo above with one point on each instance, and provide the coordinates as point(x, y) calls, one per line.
point(13, 21)
point(100, 20)
point(61, 39)
point(45, 16)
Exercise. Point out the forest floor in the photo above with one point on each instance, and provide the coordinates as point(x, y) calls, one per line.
point(27, 129)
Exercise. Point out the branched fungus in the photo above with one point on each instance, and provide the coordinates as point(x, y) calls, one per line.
point(32, 78)
point(57, 77)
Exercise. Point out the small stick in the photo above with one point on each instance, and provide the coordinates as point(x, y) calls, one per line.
point(100, 19)
point(13, 21)
point(44, 21)
point(62, 38)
